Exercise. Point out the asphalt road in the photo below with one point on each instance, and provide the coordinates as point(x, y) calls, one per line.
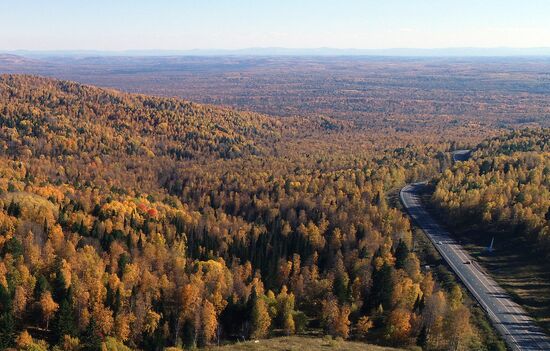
point(461, 155)
point(517, 328)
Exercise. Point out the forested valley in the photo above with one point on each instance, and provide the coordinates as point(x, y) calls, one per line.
point(136, 222)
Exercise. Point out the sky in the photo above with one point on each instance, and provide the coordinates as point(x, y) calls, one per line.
point(114, 25)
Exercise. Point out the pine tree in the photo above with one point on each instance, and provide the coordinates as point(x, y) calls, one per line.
point(382, 287)
point(401, 254)
point(42, 286)
point(65, 321)
point(422, 339)
point(14, 209)
point(59, 286)
point(7, 330)
point(91, 340)
point(7, 322)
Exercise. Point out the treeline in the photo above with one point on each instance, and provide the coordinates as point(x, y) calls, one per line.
point(506, 184)
point(103, 247)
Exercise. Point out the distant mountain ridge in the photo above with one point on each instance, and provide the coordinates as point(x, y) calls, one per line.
point(14, 59)
point(281, 51)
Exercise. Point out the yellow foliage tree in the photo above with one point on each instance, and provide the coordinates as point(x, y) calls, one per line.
point(364, 324)
point(209, 321)
point(261, 320)
point(48, 307)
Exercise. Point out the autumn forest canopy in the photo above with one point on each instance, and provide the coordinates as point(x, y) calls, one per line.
point(132, 221)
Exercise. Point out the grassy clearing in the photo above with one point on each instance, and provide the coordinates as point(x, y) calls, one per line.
point(302, 343)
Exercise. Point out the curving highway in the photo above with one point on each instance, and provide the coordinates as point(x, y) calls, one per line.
point(517, 328)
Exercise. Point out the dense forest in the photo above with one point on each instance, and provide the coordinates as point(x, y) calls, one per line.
point(129, 221)
point(506, 184)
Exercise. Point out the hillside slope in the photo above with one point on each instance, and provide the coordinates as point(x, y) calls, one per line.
point(102, 122)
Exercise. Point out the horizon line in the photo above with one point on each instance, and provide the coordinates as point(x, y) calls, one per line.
point(299, 51)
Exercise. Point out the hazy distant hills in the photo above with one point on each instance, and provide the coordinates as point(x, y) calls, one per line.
point(376, 92)
point(279, 51)
point(10, 59)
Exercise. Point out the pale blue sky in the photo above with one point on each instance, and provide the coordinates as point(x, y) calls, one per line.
point(232, 24)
